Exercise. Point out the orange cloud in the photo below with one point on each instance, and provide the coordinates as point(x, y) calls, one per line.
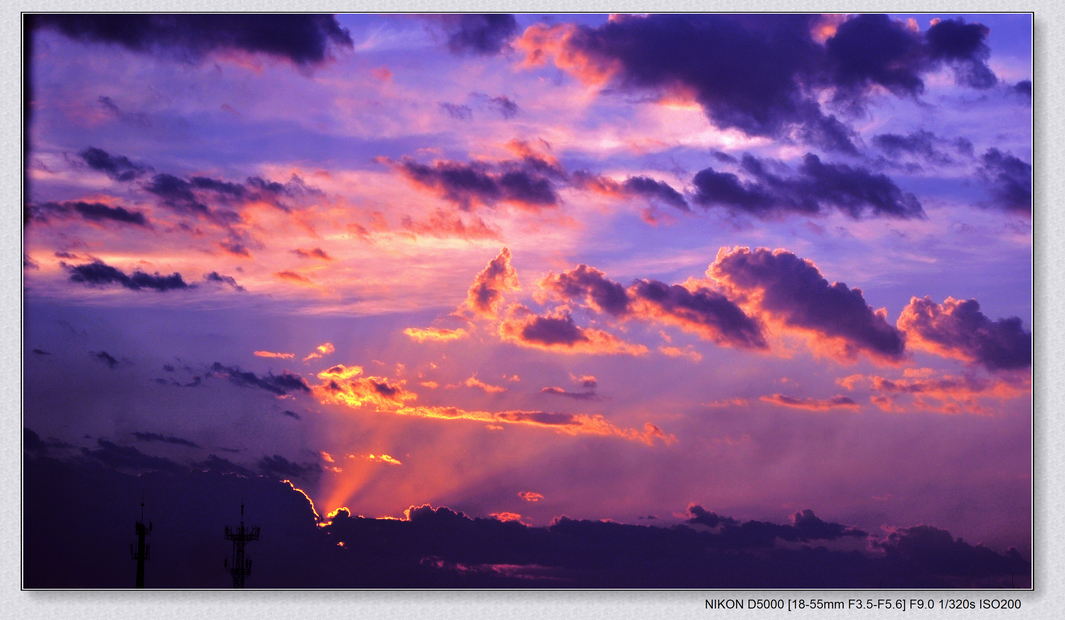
point(542, 44)
point(433, 334)
point(506, 516)
point(343, 386)
point(284, 356)
point(491, 389)
point(530, 496)
point(384, 458)
point(485, 297)
point(322, 349)
point(568, 423)
point(813, 404)
point(952, 394)
point(687, 352)
point(292, 276)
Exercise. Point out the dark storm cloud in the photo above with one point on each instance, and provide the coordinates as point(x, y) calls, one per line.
point(277, 465)
point(791, 290)
point(817, 186)
point(875, 49)
point(280, 385)
point(225, 466)
point(703, 311)
point(762, 74)
point(963, 47)
point(118, 167)
point(164, 438)
point(304, 39)
point(177, 194)
point(127, 457)
point(221, 187)
point(214, 276)
point(483, 35)
point(477, 183)
point(291, 414)
point(1024, 88)
point(959, 330)
point(920, 142)
point(99, 273)
point(439, 547)
point(1010, 180)
point(937, 554)
point(747, 72)
point(90, 211)
point(105, 357)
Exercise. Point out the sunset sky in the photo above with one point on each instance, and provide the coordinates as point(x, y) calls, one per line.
point(632, 268)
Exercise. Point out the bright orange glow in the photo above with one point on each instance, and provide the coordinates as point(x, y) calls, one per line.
point(317, 517)
point(530, 496)
point(568, 423)
point(284, 356)
point(506, 516)
point(322, 349)
point(433, 334)
point(384, 458)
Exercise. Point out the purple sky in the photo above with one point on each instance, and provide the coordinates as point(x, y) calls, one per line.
point(543, 266)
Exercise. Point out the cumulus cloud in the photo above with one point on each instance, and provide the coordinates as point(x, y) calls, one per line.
point(485, 296)
point(957, 329)
point(559, 333)
point(763, 74)
point(693, 307)
point(303, 39)
point(817, 187)
point(791, 292)
point(98, 273)
point(279, 385)
point(836, 402)
point(482, 35)
point(343, 385)
point(1009, 180)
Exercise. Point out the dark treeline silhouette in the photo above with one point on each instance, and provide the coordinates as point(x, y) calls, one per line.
point(76, 518)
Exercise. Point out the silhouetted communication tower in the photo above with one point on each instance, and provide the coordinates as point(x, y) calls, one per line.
point(240, 535)
point(142, 551)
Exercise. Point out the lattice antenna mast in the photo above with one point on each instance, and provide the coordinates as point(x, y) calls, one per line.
point(241, 566)
point(143, 551)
